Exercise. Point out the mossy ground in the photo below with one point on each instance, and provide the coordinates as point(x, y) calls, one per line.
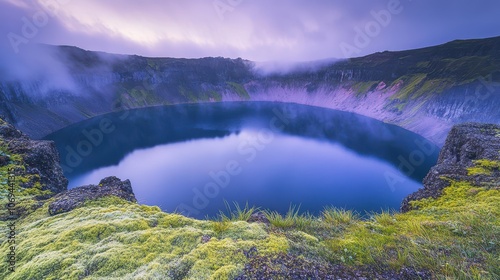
point(484, 167)
point(26, 199)
point(455, 236)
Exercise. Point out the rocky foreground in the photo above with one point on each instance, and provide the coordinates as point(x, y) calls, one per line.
point(449, 229)
point(471, 154)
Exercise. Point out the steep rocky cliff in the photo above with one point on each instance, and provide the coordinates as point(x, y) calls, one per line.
point(425, 90)
point(40, 159)
point(471, 154)
point(31, 165)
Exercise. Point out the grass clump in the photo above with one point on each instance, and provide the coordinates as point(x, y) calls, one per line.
point(292, 218)
point(337, 216)
point(238, 213)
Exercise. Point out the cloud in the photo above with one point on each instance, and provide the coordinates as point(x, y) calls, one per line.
point(284, 30)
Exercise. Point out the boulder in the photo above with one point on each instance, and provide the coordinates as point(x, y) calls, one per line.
point(71, 199)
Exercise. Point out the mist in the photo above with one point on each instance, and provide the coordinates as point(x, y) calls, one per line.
point(265, 68)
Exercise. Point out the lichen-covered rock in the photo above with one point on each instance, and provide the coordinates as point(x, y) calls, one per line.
point(76, 197)
point(39, 158)
point(471, 153)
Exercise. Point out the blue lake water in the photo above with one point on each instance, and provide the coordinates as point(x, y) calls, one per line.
point(192, 158)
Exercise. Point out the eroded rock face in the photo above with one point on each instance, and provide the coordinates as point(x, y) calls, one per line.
point(40, 159)
point(465, 144)
point(76, 197)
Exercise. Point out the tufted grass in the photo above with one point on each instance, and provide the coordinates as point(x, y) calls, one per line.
point(238, 213)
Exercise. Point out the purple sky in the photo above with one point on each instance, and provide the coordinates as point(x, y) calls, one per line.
point(260, 30)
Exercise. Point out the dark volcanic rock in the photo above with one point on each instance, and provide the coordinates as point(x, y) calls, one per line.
point(4, 160)
point(465, 144)
point(9, 132)
point(258, 217)
point(74, 198)
point(40, 159)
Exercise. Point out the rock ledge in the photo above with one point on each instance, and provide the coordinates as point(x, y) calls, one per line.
point(71, 199)
point(465, 144)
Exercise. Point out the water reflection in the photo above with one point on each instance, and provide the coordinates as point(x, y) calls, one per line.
point(193, 157)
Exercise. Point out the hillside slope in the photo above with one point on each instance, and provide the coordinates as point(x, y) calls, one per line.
point(425, 90)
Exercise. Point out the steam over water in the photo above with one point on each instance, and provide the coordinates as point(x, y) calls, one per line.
point(192, 158)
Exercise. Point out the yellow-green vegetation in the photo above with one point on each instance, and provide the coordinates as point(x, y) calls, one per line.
point(361, 88)
point(205, 96)
point(483, 167)
point(137, 97)
point(239, 89)
point(115, 239)
point(336, 216)
point(291, 219)
point(25, 198)
point(418, 85)
point(410, 85)
point(210, 95)
point(455, 236)
point(238, 213)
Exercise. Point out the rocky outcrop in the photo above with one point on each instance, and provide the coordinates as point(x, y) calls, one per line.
point(39, 158)
point(468, 147)
point(76, 197)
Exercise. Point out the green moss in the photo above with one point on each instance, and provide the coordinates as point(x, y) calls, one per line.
point(483, 167)
point(410, 85)
point(111, 237)
point(455, 236)
point(434, 86)
point(25, 197)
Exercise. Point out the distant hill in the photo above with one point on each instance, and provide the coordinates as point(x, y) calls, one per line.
point(424, 90)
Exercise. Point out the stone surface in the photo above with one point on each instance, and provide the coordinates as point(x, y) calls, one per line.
point(76, 197)
point(465, 144)
point(40, 159)
point(258, 217)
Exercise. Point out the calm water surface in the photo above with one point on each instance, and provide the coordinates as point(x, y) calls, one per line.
point(192, 158)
